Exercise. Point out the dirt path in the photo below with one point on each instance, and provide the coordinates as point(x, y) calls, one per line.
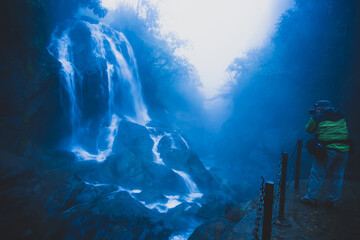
point(340, 223)
point(311, 223)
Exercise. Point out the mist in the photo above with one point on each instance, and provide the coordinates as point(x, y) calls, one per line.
point(161, 114)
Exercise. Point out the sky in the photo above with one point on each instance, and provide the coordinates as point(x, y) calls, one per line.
point(217, 31)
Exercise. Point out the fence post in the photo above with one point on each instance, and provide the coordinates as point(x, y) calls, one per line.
point(284, 159)
point(298, 163)
point(268, 208)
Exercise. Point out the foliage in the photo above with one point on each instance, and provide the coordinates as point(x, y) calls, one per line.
point(310, 57)
point(170, 83)
point(30, 75)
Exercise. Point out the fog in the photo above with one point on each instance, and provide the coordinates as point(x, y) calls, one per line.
point(167, 113)
point(215, 32)
point(261, 66)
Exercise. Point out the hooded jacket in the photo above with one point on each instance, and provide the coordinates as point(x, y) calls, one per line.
point(330, 125)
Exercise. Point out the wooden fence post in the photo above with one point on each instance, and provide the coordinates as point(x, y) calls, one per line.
point(298, 164)
point(268, 209)
point(284, 160)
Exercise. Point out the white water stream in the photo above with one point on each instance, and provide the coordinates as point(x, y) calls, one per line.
point(121, 70)
point(107, 47)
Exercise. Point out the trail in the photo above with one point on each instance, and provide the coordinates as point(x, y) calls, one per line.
point(308, 223)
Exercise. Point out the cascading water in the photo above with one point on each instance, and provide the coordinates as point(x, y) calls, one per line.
point(100, 94)
point(156, 139)
point(157, 158)
point(186, 144)
point(173, 146)
point(193, 190)
point(190, 184)
point(188, 181)
point(117, 91)
point(68, 76)
point(127, 70)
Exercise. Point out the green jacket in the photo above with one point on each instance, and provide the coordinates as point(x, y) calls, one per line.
point(330, 125)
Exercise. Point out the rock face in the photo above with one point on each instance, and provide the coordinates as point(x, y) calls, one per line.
point(57, 204)
point(30, 110)
point(186, 160)
point(214, 229)
point(149, 185)
point(29, 87)
point(52, 195)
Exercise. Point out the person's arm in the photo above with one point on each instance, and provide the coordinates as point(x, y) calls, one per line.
point(311, 126)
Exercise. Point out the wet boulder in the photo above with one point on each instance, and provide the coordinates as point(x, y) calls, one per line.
point(217, 229)
point(119, 218)
point(189, 162)
point(134, 138)
point(132, 171)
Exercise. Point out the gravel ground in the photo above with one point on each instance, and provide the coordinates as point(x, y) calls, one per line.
point(307, 222)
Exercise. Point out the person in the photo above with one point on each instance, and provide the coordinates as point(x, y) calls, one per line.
point(329, 127)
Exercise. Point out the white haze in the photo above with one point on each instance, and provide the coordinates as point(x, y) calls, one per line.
point(217, 31)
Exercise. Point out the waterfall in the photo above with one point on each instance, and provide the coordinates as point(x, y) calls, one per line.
point(67, 75)
point(186, 144)
point(157, 158)
point(193, 190)
point(125, 70)
point(188, 181)
point(190, 184)
point(100, 88)
point(110, 71)
point(156, 138)
point(101, 154)
point(114, 92)
point(173, 146)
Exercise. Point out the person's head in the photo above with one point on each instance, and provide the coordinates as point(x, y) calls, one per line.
point(323, 105)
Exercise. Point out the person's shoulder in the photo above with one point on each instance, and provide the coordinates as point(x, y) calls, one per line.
point(330, 115)
point(338, 113)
